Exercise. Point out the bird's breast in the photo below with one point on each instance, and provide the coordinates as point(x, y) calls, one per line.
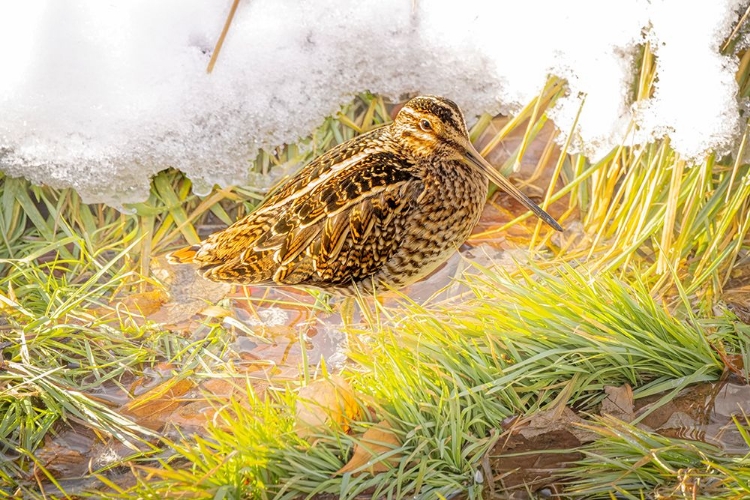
point(455, 199)
point(442, 219)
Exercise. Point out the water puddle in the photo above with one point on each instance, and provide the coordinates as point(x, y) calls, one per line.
point(704, 413)
point(259, 337)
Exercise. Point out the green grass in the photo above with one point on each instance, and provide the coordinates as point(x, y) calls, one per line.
point(56, 351)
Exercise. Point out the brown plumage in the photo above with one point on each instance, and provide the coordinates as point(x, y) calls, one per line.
point(381, 210)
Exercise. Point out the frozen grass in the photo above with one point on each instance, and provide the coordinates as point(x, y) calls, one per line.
point(628, 299)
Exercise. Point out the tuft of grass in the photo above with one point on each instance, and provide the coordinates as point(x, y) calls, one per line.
point(655, 215)
point(635, 463)
point(519, 343)
point(56, 352)
point(646, 210)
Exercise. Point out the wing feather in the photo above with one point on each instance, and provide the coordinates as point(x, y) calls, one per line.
point(337, 210)
point(334, 235)
point(296, 242)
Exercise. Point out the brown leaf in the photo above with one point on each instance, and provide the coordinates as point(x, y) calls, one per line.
point(189, 294)
point(325, 402)
point(220, 387)
point(68, 453)
point(375, 442)
point(558, 419)
point(619, 402)
point(194, 415)
point(529, 464)
point(136, 305)
point(144, 303)
point(153, 408)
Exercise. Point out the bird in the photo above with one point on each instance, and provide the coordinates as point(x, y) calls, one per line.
point(377, 212)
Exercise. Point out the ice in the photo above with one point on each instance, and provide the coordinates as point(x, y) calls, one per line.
point(100, 96)
point(271, 316)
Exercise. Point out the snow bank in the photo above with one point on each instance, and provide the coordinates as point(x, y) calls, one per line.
point(100, 95)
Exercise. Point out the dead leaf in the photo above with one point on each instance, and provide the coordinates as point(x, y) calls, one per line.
point(153, 408)
point(619, 402)
point(189, 293)
point(68, 453)
point(323, 403)
point(137, 306)
point(374, 443)
point(219, 387)
point(144, 303)
point(557, 419)
point(193, 415)
point(519, 465)
point(529, 456)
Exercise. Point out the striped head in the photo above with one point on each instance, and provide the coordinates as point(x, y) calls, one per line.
point(430, 127)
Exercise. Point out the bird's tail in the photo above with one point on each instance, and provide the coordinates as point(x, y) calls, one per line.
point(183, 255)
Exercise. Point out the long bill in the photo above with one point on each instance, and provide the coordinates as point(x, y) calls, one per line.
point(473, 158)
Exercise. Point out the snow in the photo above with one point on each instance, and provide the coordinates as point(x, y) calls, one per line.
point(100, 95)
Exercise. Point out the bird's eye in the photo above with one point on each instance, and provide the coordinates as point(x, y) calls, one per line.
point(425, 125)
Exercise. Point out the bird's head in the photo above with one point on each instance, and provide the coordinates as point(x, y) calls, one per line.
point(433, 128)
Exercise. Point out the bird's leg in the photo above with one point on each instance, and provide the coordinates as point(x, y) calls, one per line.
point(348, 310)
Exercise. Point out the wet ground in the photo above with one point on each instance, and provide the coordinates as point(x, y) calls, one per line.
point(270, 334)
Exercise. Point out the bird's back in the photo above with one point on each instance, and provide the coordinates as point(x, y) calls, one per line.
point(335, 223)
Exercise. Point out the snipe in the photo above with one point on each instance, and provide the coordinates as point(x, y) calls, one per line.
point(381, 210)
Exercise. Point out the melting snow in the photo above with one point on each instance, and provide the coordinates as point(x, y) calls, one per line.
point(99, 96)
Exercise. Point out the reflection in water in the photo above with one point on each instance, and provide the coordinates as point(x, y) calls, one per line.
point(703, 412)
